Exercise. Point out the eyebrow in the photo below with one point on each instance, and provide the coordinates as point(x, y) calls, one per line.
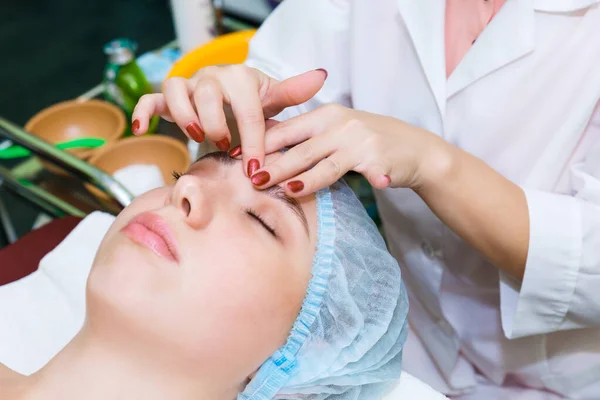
point(275, 192)
point(219, 156)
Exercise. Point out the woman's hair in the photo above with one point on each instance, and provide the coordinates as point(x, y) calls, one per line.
point(347, 340)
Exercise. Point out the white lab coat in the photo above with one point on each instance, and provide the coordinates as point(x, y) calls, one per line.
point(525, 100)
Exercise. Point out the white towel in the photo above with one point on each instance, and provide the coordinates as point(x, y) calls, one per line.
point(140, 178)
point(42, 312)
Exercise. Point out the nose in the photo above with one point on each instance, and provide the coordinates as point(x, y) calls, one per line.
point(190, 198)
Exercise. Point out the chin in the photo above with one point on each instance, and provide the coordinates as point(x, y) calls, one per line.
point(114, 298)
point(121, 273)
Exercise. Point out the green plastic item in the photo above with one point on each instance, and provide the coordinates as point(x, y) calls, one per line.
point(19, 152)
point(124, 81)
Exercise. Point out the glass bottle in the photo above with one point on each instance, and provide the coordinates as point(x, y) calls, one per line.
point(124, 81)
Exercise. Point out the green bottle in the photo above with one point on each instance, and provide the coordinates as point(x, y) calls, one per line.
point(124, 81)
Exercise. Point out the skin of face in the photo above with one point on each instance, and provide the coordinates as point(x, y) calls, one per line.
point(229, 299)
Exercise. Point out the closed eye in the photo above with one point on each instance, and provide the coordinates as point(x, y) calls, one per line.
point(258, 219)
point(251, 213)
point(176, 175)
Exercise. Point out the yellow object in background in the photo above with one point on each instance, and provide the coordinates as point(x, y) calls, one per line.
point(231, 48)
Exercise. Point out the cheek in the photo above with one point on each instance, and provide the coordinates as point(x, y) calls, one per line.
point(125, 280)
point(245, 298)
point(129, 284)
point(250, 274)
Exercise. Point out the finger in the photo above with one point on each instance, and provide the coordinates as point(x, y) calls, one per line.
point(380, 181)
point(210, 71)
point(325, 173)
point(241, 89)
point(148, 106)
point(298, 129)
point(270, 123)
point(208, 99)
point(283, 135)
point(293, 91)
point(295, 161)
point(237, 150)
point(376, 174)
point(177, 95)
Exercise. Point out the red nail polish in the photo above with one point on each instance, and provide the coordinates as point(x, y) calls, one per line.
point(223, 145)
point(260, 178)
point(323, 70)
point(295, 186)
point(135, 126)
point(253, 165)
point(195, 132)
point(235, 152)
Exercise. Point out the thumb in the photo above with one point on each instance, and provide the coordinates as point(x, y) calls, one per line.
point(293, 91)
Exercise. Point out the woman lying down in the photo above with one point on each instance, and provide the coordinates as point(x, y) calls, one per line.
point(210, 289)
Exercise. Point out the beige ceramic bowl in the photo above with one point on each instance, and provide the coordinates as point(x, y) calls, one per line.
point(74, 120)
point(166, 153)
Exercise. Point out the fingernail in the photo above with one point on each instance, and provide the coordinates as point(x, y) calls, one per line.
point(223, 145)
point(195, 132)
point(235, 152)
point(260, 178)
point(295, 186)
point(253, 165)
point(388, 180)
point(135, 126)
point(323, 70)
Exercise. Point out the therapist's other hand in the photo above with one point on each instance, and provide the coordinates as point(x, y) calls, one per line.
point(196, 105)
point(334, 140)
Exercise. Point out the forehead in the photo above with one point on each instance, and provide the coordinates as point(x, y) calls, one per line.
point(223, 159)
point(219, 166)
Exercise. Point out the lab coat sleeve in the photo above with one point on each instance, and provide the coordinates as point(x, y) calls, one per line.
point(561, 286)
point(303, 35)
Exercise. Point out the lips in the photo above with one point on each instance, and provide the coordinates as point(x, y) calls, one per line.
point(153, 232)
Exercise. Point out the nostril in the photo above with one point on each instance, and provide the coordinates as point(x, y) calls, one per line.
point(187, 207)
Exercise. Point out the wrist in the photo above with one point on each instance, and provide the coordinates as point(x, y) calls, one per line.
point(437, 164)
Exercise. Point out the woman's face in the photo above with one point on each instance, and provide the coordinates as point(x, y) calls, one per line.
point(207, 273)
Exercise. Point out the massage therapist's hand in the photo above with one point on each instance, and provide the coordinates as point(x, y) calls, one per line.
point(196, 105)
point(334, 140)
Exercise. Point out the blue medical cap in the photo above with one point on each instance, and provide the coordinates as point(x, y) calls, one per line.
point(346, 342)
